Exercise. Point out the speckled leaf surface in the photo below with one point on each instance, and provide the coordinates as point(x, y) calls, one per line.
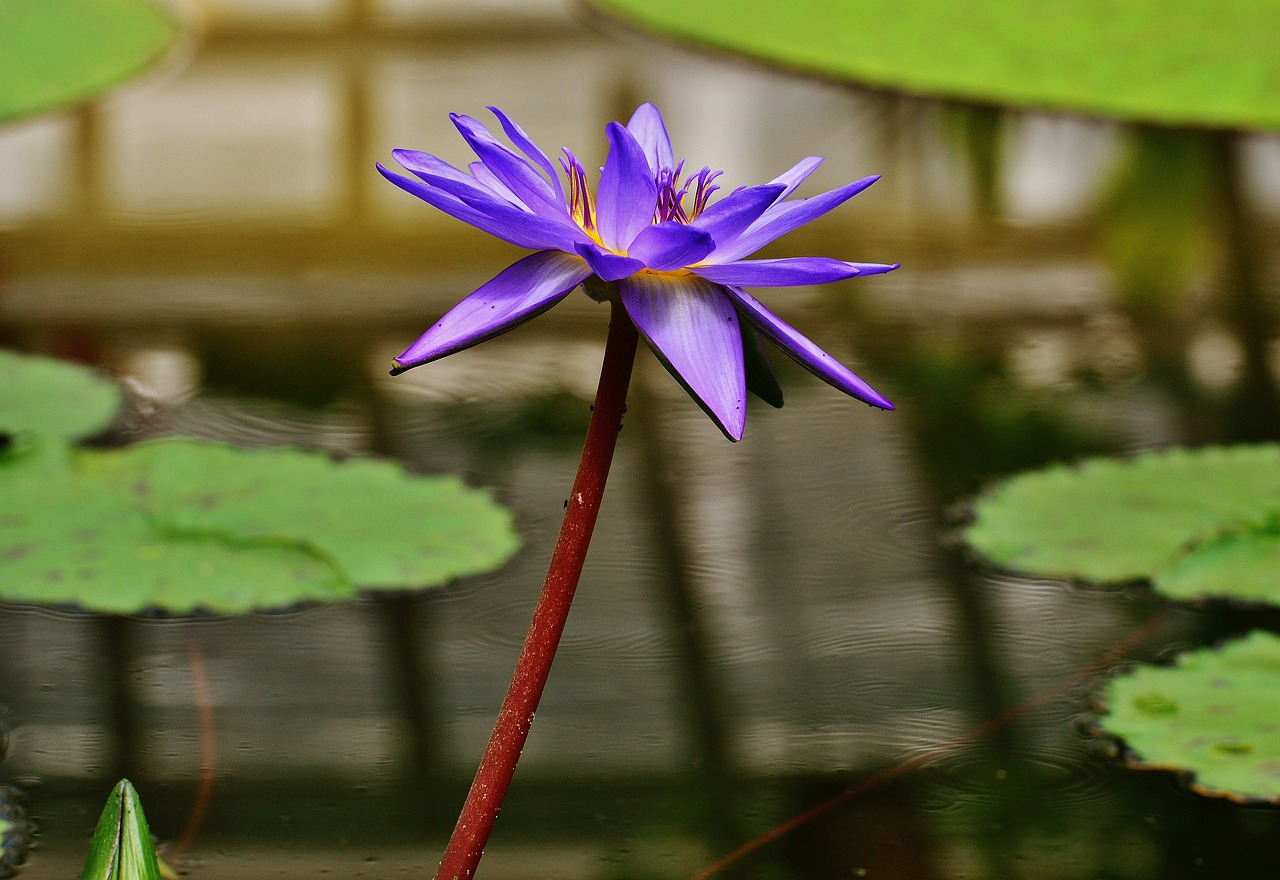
point(72, 538)
point(1189, 63)
point(53, 399)
point(1110, 521)
point(1241, 564)
point(383, 528)
point(54, 53)
point(1214, 715)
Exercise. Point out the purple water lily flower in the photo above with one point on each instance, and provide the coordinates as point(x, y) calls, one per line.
point(650, 237)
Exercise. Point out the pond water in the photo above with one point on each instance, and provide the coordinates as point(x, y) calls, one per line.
point(762, 627)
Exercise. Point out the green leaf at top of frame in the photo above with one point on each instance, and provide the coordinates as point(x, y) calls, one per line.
point(122, 847)
point(1207, 63)
point(53, 399)
point(1212, 715)
point(56, 53)
point(380, 526)
point(1108, 520)
point(1241, 564)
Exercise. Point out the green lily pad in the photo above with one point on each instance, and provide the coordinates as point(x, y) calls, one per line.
point(55, 53)
point(1215, 715)
point(1242, 564)
point(1112, 521)
point(181, 525)
point(52, 399)
point(75, 538)
point(383, 528)
point(122, 847)
point(1191, 63)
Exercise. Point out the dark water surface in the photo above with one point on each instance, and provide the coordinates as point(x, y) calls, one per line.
point(761, 626)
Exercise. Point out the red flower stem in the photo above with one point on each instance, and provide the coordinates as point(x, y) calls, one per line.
point(498, 765)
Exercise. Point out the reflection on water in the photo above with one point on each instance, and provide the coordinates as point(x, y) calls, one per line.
point(762, 625)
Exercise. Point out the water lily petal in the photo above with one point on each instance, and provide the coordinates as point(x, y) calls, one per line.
point(526, 145)
point(504, 221)
point(803, 351)
point(522, 291)
point(693, 328)
point(789, 272)
point(481, 173)
point(437, 172)
point(783, 217)
point(647, 127)
point(627, 195)
point(512, 169)
point(761, 380)
point(608, 266)
point(796, 174)
point(671, 245)
point(731, 216)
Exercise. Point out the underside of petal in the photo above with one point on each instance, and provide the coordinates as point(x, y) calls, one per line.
point(789, 272)
point(522, 291)
point(761, 380)
point(728, 218)
point(803, 351)
point(693, 328)
point(499, 219)
point(526, 145)
point(512, 169)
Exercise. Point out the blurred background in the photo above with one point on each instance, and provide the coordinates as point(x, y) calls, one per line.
point(761, 625)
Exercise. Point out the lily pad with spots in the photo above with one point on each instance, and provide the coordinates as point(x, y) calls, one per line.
point(55, 53)
point(1203, 63)
point(1240, 564)
point(1111, 521)
point(52, 399)
point(1214, 715)
point(381, 527)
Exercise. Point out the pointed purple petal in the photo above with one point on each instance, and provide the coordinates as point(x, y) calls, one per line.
point(507, 222)
point(692, 327)
point(513, 170)
point(789, 272)
point(526, 145)
point(522, 291)
point(796, 174)
point(804, 352)
point(438, 173)
point(784, 217)
point(481, 173)
point(731, 216)
point(647, 127)
point(627, 195)
point(608, 266)
point(670, 245)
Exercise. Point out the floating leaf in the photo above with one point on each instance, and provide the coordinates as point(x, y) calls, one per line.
point(54, 53)
point(182, 525)
point(383, 528)
point(49, 398)
point(75, 538)
point(1195, 62)
point(1215, 714)
point(1241, 563)
point(1110, 521)
point(122, 847)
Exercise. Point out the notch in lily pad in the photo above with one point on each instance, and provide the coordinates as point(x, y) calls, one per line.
point(1213, 717)
point(122, 847)
point(1111, 521)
